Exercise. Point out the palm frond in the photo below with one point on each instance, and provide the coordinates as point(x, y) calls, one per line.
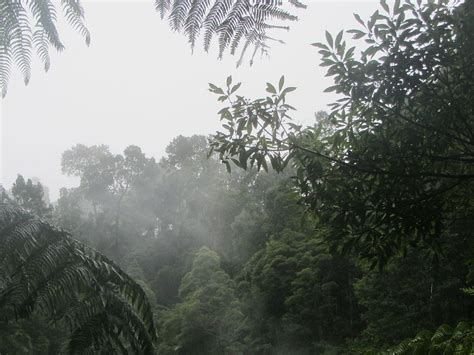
point(42, 268)
point(32, 23)
point(234, 22)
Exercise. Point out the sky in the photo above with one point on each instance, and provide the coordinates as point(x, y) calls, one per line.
point(138, 83)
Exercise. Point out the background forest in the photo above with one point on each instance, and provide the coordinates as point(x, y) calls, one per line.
point(352, 235)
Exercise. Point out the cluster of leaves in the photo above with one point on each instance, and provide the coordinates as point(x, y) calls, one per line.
point(232, 22)
point(391, 167)
point(43, 269)
point(445, 340)
point(258, 132)
point(27, 24)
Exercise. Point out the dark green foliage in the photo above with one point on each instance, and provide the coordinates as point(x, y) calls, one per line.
point(31, 197)
point(33, 335)
point(44, 269)
point(388, 174)
point(292, 294)
point(298, 295)
point(445, 340)
point(233, 23)
point(208, 320)
point(410, 295)
point(391, 168)
point(28, 24)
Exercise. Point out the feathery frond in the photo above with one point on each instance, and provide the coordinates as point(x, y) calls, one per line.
point(25, 24)
point(42, 268)
point(445, 340)
point(235, 23)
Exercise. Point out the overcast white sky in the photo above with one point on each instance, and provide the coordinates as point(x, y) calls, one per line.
point(138, 83)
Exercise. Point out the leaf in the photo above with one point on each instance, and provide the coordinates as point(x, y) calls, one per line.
point(339, 38)
point(235, 88)
point(329, 39)
point(320, 45)
point(281, 82)
point(229, 80)
point(359, 19)
point(357, 33)
point(215, 89)
point(271, 89)
point(396, 7)
point(288, 89)
point(331, 88)
point(236, 162)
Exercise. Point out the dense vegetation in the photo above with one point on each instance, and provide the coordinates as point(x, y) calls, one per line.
point(353, 235)
point(234, 263)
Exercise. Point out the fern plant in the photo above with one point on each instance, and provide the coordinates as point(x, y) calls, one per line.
point(43, 269)
point(232, 22)
point(445, 340)
point(28, 24)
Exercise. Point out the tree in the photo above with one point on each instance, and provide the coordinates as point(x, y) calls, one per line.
point(26, 24)
point(31, 197)
point(297, 296)
point(42, 268)
point(412, 295)
point(396, 169)
point(114, 190)
point(208, 318)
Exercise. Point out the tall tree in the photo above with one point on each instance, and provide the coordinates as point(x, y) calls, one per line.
point(297, 296)
point(208, 318)
point(110, 188)
point(31, 197)
point(397, 169)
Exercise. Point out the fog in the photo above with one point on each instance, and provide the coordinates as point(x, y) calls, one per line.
point(149, 204)
point(138, 83)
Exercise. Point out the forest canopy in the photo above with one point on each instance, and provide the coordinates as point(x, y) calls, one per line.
point(351, 235)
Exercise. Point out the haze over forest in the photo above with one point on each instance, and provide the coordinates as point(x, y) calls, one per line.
point(132, 79)
point(158, 198)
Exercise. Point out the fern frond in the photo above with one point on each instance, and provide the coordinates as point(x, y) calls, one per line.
point(214, 18)
point(43, 268)
point(41, 44)
point(266, 12)
point(233, 22)
point(298, 3)
point(44, 13)
point(162, 6)
point(194, 20)
point(445, 340)
point(31, 24)
point(228, 27)
point(179, 13)
point(74, 13)
point(20, 40)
